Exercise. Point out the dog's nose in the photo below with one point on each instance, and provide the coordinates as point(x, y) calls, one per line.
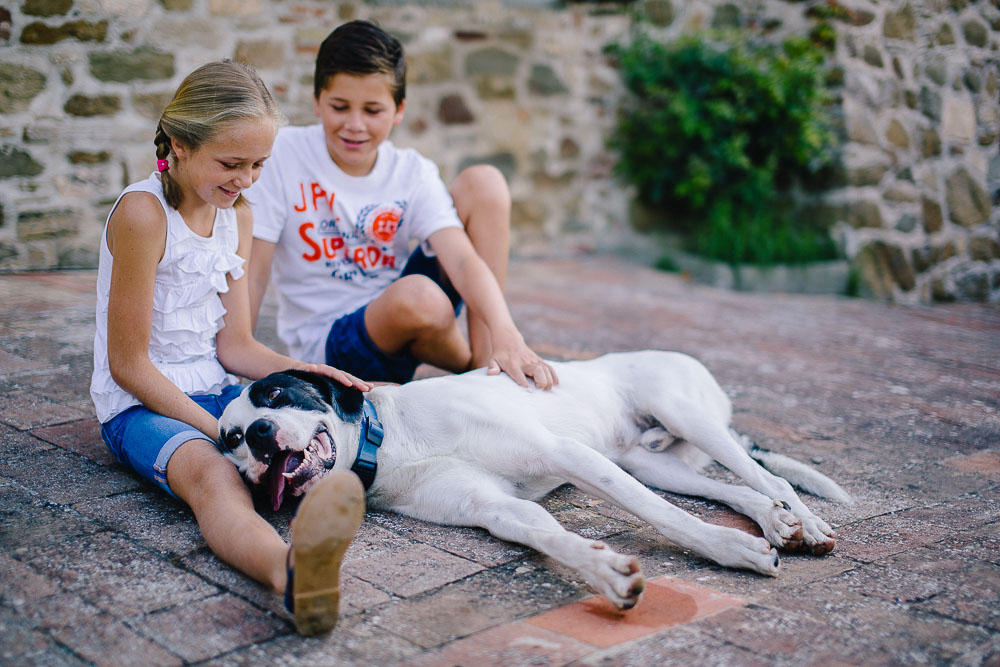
point(260, 438)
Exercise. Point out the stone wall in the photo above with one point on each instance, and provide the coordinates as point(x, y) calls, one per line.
point(523, 85)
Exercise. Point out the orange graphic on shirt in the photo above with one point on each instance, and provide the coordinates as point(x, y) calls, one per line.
point(384, 225)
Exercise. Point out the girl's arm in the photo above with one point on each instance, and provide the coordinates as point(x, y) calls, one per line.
point(137, 234)
point(238, 351)
point(481, 292)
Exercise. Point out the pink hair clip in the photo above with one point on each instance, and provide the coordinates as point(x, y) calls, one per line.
point(163, 165)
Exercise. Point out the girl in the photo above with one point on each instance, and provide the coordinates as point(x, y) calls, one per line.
point(173, 321)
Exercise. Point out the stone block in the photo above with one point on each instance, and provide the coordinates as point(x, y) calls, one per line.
point(896, 134)
point(930, 142)
point(452, 110)
point(545, 82)
point(50, 224)
point(933, 216)
point(430, 66)
point(861, 214)
point(46, 7)
point(900, 24)
point(984, 248)
point(945, 36)
point(234, 7)
point(968, 202)
point(659, 12)
point(151, 104)
point(975, 33)
point(97, 105)
point(144, 63)
point(18, 86)
point(958, 119)
point(87, 157)
point(873, 56)
point(261, 54)
point(15, 162)
point(495, 62)
point(83, 31)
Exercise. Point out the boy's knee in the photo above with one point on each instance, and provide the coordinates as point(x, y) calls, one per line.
point(421, 302)
point(480, 185)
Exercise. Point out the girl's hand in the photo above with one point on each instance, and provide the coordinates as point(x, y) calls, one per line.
point(340, 376)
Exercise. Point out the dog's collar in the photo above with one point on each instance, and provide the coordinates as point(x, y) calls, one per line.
point(366, 462)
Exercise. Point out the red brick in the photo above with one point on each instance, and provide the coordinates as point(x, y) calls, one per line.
point(82, 436)
point(666, 602)
point(518, 644)
point(985, 464)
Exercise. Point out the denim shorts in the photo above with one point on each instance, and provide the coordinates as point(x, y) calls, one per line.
point(144, 440)
point(349, 347)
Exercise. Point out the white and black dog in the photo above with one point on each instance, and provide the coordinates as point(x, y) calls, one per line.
point(477, 450)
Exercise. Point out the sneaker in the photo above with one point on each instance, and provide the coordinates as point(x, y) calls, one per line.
point(324, 526)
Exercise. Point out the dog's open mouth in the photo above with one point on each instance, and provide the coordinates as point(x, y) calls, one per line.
point(291, 469)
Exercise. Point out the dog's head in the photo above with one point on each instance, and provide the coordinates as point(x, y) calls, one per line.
point(281, 431)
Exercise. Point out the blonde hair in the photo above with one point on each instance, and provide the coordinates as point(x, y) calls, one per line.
point(209, 97)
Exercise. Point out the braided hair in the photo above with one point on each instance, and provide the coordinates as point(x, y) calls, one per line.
point(209, 97)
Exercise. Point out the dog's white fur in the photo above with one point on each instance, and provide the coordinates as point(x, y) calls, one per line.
point(477, 450)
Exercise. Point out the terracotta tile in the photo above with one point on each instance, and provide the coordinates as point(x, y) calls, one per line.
point(517, 644)
point(667, 602)
point(985, 464)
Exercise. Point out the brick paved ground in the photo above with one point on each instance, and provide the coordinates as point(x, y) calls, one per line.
point(899, 404)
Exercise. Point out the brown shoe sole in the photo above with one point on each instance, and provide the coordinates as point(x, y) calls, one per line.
point(324, 526)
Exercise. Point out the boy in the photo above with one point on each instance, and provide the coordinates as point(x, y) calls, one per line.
point(335, 213)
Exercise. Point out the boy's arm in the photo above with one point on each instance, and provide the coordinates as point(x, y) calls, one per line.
point(480, 291)
point(261, 256)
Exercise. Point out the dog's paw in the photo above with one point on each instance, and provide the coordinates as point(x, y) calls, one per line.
point(744, 551)
point(819, 538)
point(613, 575)
point(781, 528)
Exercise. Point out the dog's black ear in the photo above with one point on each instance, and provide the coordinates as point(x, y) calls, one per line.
point(347, 402)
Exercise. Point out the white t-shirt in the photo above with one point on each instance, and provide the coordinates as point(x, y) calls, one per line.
point(341, 240)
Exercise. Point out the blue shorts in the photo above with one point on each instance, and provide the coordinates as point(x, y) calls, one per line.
point(349, 348)
point(144, 440)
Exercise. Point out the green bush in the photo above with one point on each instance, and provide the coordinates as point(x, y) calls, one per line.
point(713, 133)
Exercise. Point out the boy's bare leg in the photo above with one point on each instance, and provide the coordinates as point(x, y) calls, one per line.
point(211, 486)
point(482, 200)
point(414, 313)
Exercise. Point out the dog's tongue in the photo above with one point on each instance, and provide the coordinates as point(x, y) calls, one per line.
point(284, 462)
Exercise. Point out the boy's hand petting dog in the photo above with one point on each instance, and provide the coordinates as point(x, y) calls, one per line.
point(520, 362)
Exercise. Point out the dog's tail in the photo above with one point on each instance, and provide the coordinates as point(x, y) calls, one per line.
point(797, 473)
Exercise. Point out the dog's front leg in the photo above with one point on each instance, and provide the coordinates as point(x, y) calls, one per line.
point(597, 475)
point(483, 502)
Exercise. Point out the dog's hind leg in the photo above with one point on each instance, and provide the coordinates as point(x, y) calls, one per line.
point(666, 471)
point(484, 503)
point(597, 475)
point(714, 438)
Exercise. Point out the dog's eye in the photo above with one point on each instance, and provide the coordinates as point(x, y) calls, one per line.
point(231, 440)
point(274, 394)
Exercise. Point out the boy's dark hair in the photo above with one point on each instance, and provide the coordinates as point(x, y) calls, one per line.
point(360, 48)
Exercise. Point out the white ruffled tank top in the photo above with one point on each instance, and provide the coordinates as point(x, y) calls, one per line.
point(187, 311)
